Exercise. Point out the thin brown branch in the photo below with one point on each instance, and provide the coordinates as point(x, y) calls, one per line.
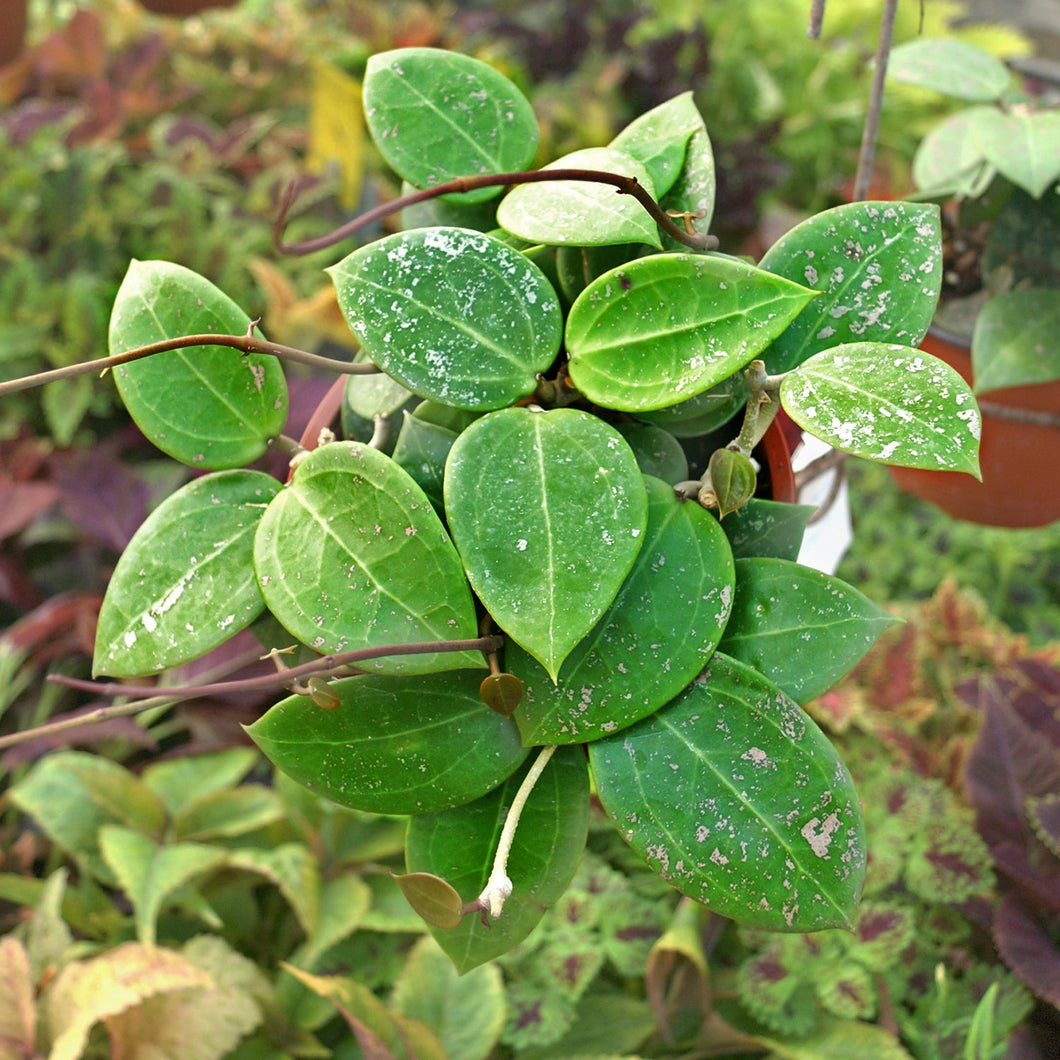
point(243, 343)
point(325, 665)
point(813, 30)
point(871, 129)
point(625, 186)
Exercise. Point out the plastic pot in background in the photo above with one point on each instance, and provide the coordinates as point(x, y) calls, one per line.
point(1019, 456)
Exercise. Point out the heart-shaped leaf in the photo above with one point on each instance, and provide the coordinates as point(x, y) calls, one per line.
point(801, 628)
point(768, 528)
point(421, 449)
point(659, 138)
point(396, 745)
point(548, 511)
point(657, 635)
point(733, 795)
point(185, 582)
point(1025, 147)
point(452, 314)
point(887, 403)
point(657, 451)
point(436, 115)
point(459, 845)
point(1014, 343)
point(879, 265)
point(952, 67)
point(582, 213)
point(207, 406)
point(351, 555)
point(635, 350)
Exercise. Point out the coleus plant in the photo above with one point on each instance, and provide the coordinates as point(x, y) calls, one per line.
point(554, 372)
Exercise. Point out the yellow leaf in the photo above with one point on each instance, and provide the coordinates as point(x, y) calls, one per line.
point(18, 1018)
point(336, 129)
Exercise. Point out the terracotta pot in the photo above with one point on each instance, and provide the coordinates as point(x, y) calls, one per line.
point(1019, 458)
point(13, 18)
point(776, 453)
point(181, 8)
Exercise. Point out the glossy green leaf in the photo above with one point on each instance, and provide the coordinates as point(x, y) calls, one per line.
point(657, 451)
point(459, 845)
point(887, 403)
point(732, 480)
point(582, 213)
point(667, 327)
point(952, 67)
point(1024, 146)
point(207, 406)
point(149, 873)
point(422, 449)
point(577, 267)
point(657, 635)
point(185, 582)
point(703, 413)
point(374, 395)
point(397, 745)
point(436, 901)
point(436, 115)
point(659, 138)
point(695, 189)
point(467, 1012)
point(351, 555)
point(768, 528)
point(1014, 343)
point(452, 314)
point(879, 265)
point(733, 795)
point(547, 510)
point(801, 628)
point(949, 160)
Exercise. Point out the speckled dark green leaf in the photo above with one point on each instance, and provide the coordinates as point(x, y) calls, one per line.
point(768, 528)
point(657, 635)
point(396, 744)
point(733, 795)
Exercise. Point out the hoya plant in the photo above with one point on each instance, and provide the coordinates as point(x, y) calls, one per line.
point(554, 582)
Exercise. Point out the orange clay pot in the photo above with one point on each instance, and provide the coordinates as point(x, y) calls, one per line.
point(1020, 460)
point(181, 8)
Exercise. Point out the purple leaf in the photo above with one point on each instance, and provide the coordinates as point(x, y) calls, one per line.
point(1027, 949)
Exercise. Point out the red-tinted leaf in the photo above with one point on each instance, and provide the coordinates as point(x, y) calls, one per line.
point(24, 502)
point(1027, 949)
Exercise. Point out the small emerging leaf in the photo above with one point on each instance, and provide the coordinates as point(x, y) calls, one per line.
point(732, 480)
point(433, 899)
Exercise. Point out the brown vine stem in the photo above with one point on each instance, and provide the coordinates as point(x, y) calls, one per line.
point(327, 664)
point(625, 186)
point(813, 30)
point(871, 129)
point(243, 343)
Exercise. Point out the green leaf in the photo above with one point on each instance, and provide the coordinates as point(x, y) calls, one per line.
point(459, 845)
point(207, 406)
point(952, 67)
point(703, 413)
point(879, 265)
point(732, 480)
point(397, 744)
point(659, 139)
point(185, 583)
point(294, 871)
point(801, 628)
point(733, 795)
point(465, 1011)
point(421, 450)
point(657, 635)
point(1014, 343)
point(126, 799)
point(548, 511)
point(582, 213)
point(229, 813)
point(434, 900)
point(452, 314)
point(436, 115)
point(837, 1039)
point(667, 327)
point(181, 782)
point(949, 160)
point(149, 873)
point(344, 900)
point(768, 528)
point(887, 403)
point(694, 190)
point(1025, 147)
point(374, 395)
point(606, 1026)
point(351, 555)
point(657, 451)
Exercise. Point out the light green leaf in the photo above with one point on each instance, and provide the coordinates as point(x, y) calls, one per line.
point(548, 511)
point(887, 403)
point(879, 266)
point(207, 406)
point(395, 745)
point(180, 782)
point(295, 872)
point(836, 1039)
point(344, 900)
point(667, 327)
point(952, 67)
point(351, 555)
point(465, 1011)
point(125, 798)
point(802, 629)
point(659, 138)
point(582, 213)
point(1014, 343)
point(654, 638)
point(149, 874)
point(185, 583)
point(459, 845)
point(949, 159)
point(436, 115)
point(229, 813)
point(452, 314)
point(374, 395)
point(1025, 147)
point(733, 795)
